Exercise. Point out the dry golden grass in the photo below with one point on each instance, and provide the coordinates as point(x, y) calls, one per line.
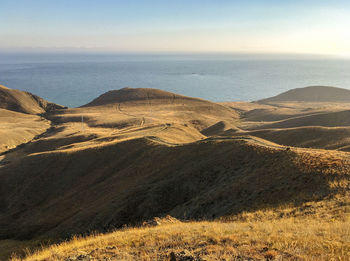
point(25, 102)
point(306, 137)
point(282, 239)
point(17, 128)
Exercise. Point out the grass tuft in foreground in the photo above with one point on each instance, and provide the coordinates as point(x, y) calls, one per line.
point(283, 239)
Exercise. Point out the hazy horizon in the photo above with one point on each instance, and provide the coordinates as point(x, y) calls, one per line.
point(240, 27)
point(74, 55)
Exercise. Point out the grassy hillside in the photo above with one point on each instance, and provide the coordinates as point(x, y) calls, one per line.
point(118, 184)
point(137, 94)
point(19, 117)
point(282, 239)
point(328, 119)
point(25, 102)
point(17, 128)
point(135, 154)
point(312, 94)
point(307, 137)
point(78, 195)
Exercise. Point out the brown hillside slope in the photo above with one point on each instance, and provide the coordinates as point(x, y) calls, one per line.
point(88, 132)
point(17, 128)
point(218, 128)
point(331, 119)
point(138, 106)
point(77, 191)
point(279, 239)
point(130, 159)
point(336, 138)
point(278, 111)
point(25, 102)
point(125, 183)
point(148, 97)
point(135, 94)
point(320, 125)
point(311, 117)
point(252, 111)
point(18, 122)
point(312, 94)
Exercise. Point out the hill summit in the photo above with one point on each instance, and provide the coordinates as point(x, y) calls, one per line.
point(134, 94)
point(312, 94)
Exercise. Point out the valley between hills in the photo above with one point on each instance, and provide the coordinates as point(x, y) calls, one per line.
point(145, 174)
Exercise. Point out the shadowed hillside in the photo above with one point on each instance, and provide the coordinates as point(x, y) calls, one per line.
point(101, 188)
point(25, 102)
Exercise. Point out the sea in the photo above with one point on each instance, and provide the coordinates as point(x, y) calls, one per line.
point(74, 79)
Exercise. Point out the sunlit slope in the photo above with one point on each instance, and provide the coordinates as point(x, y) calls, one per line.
point(279, 239)
point(336, 138)
point(311, 117)
point(18, 120)
point(137, 94)
point(331, 119)
point(152, 113)
point(156, 106)
point(17, 128)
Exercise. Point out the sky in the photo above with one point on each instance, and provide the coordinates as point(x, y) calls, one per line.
point(195, 26)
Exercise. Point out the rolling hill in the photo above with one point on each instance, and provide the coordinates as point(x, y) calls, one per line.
point(139, 94)
point(326, 119)
point(135, 154)
point(312, 94)
point(20, 119)
point(331, 138)
point(25, 102)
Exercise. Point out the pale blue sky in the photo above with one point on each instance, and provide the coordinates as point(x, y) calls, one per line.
point(309, 26)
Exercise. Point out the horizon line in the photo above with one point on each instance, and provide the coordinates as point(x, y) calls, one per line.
point(120, 52)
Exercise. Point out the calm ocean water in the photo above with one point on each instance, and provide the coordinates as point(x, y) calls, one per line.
point(76, 79)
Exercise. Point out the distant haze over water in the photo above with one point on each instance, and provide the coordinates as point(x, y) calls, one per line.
point(76, 79)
